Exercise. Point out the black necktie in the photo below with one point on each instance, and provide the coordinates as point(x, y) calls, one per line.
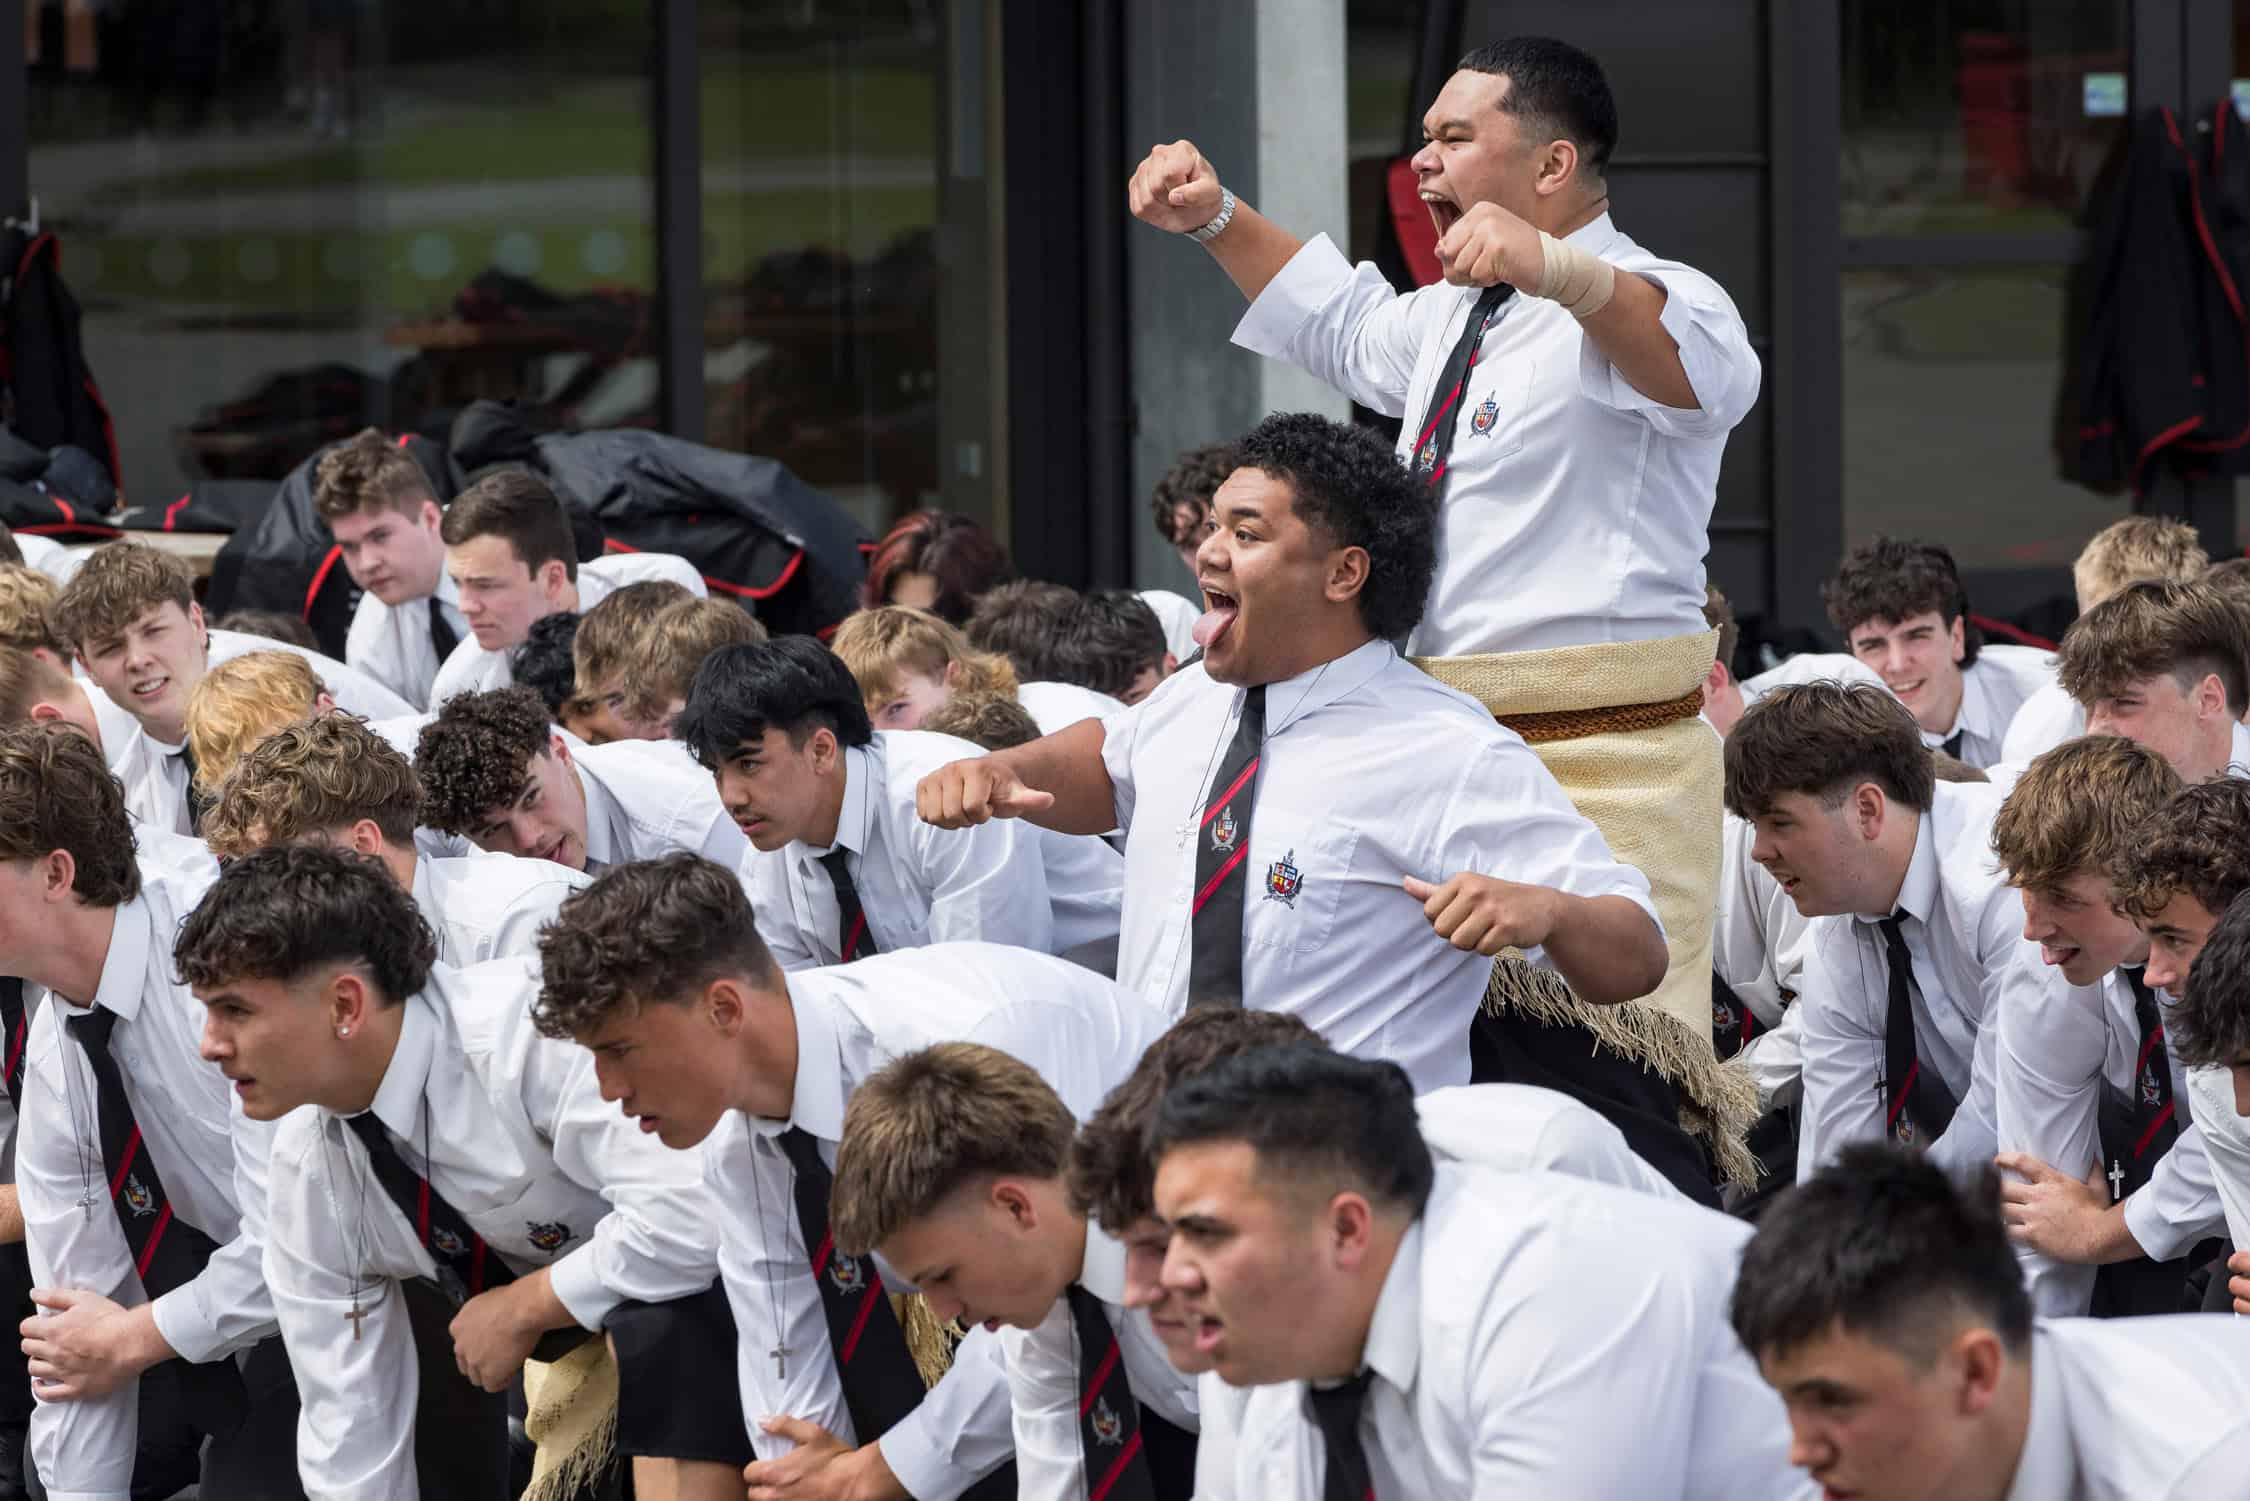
point(1916, 1104)
point(1952, 745)
point(166, 1252)
point(2139, 1126)
point(198, 801)
point(880, 1380)
point(1433, 442)
point(1109, 1415)
point(853, 939)
point(442, 634)
point(466, 1265)
point(15, 1027)
point(1336, 1410)
point(1222, 845)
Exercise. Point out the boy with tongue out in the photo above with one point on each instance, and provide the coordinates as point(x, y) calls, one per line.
point(1311, 825)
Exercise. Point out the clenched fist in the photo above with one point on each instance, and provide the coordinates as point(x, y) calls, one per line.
point(1174, 188)
point(1488, 244)
point(961, 794)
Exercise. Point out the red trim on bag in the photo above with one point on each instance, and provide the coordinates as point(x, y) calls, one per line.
point(320, 577)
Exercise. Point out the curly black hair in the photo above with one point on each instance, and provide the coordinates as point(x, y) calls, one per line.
point(1189, 482)
point(544, 661)
point(471, 758)
point(283, 911)
point(1892, 578)
point(1346, 482)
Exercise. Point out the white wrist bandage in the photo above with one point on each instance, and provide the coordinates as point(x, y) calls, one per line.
point(1582, 283)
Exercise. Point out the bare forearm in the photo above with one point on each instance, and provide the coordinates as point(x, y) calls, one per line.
point(1607, 948)
point(1630, 333)
point(11, 1216)
point(1068, 766)
point(1253, 250)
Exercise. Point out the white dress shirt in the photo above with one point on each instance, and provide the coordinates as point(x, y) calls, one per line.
point(1372, 771)
point(2060, 1044)
point(917, 884)
point(212, 1161)
point(473, 669)
point(1994, 689)
point(1058, 706)
point(1043, 1381)
point(49, 556)
point(1579, 511)
point(2226, 1146)
point(1504, 1366)
point(353, 691)
point(1759, 947)
point(1084, 1034)
point(1809, 667)
point(511, 1129)
point(2047, 719)
point(1178, 615)
point(393, 643)
point(2147, 1409)
point(647, 798)
point(1963, 927)
point(484, 906)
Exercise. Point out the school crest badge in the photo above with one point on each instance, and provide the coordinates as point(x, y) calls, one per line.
point(550, 1237)
point(1108, 1427)
point(2152, 1089)
point(1425, 458)
point(846, 1272)
point(1283, 879)
point(445, 1242)
point(1904, 1131)
point(137, 1197)
point(1225, 831)
point(1485, 418)
point(1723, 1018)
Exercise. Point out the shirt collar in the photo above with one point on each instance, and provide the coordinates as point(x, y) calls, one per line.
point(2238, 755)
point(1102, 1271)
point(1976, 716)
point(818, 1103)
point(601, 816)
point(1596, 236)
point(398, 1099)
point(125, 967)
point(2047, 1467)
point(863, 769)
point(1314, 689)
point(1918, 894)
point(1394, 1335)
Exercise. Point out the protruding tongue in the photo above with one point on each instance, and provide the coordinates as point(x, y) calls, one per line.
point(1210, 623)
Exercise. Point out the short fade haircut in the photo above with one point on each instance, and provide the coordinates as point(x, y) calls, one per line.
point(1109, 638)
point(2184, 629)
point(1312, 1116)
point(1191, 481)
point(1823, 739)
point(56, 793)
point(242, 700)
point(2198, 843)
point(369, 471)
point(116, 585)
point(1347, 485)
point(27, 680)
point(1111, 1176)
point(647, 933)
point(27, 610)
point(519, 506)
point(545, 662)
point(1556, 91)
point(309, 779)
point(1718, 615)
point(933, 1121)
point(609, 632)
point(1893, 579)
point(663, 663)
point(2209, 1025)
point(289, 909)
point(2136, 548)
point(792, 684)
point(274, 625)
point(472, 758)
point(989, 720)
point(2078, 808)
point(1021, 621)
point(1880, 1243)
point(882, 646)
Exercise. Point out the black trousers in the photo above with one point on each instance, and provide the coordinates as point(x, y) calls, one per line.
point(1515, 1049)
point(679, 1389)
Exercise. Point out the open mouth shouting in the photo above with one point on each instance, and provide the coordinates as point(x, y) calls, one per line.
point(1444, 212)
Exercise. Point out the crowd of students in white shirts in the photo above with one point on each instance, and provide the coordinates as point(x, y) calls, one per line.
point(873, 1067)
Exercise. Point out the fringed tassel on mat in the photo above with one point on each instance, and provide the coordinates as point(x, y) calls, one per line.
point(928, 1341)
point(1717, 1104)
point(571, 1415)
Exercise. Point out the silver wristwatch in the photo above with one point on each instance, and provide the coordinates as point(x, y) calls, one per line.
point(1219, 222)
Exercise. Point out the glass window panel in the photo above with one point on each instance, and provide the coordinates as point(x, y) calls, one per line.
point(1978, 116)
